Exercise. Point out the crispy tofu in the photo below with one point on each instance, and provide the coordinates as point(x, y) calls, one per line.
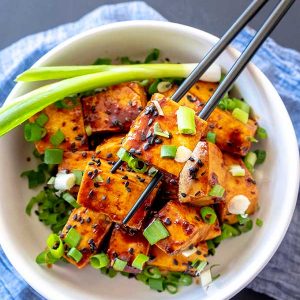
point(231, 134)
point(75, 160)
point(127, 245)
point(200, 174)
point(214, 231)
point(141, 140)
point(92, 226)
point(244, 185)
point(109, 147)
point(70, 122)
point(177, 262)
point(184, 224)
point(114, 194)
point(114, 109)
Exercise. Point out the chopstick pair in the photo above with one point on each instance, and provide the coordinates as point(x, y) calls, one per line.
point(231, 76)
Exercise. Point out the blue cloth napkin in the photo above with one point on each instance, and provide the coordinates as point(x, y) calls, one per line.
point(281, 277)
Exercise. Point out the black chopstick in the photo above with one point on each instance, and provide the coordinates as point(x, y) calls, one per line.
point(211, 56)
point(234, 72)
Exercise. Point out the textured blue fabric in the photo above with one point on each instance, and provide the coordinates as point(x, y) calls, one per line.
point(281, 277)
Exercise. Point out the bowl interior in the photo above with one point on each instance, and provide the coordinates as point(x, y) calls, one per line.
point(240, 259)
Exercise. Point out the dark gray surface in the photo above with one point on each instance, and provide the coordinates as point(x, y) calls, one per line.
point(20, 18)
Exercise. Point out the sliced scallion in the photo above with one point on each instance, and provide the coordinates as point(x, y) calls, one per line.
point(261, 133)
point(240, 115)
point(156, 284)
point(250, 160)
point(78, 175)
point(55, 245)
point(71, 200)
point(139, 261)
point(185, 280)
point(237, 170)
point(155, 232)
point(261, 156)
point(42, 119)
point(75, 254)
point(45, 257)
point(123, 155)
point(211, 137)
point(57, 138)
point(119, 265)
point(137, 165)
point(208, 215)
point(216, 191)
point(160, 132)
point(99, 261)
point(186, 120)
point(259, 222)
point(72, 238)
point(168, 151)
point(33, 132)
point(171, 287)
point(53, 156)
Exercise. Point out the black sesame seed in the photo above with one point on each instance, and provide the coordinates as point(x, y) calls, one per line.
point(131, 250)
point(158, 141)
point(126, 183)
point(128, 189)
point(75, 217)
point(146, 146)
point(125, 177)
point(167, 221)
point(175, 261)
point(108, 180)
point(150, 122)
point(149, 134)
point(143, 137)
point(88, 220)
point(183, 195)
point(191, 98)
point(138, 152)
point(191, 159)
point(132, 151)
point(109, 155)
point(103, 197)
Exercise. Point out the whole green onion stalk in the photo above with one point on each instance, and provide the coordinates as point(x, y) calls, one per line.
point(79, 79)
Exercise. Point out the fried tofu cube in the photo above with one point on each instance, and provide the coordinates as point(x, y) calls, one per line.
point(70, 122)
point(126, 245)
point(142, 142)
point(93, 227)
point(184, 224)
point(109, 148)
point(75, 160)
point(231, 135)
point(177, 262)
point(214, 231)
point(114, 194)
point(237, 185)
point(201, 173)
point(114, 109)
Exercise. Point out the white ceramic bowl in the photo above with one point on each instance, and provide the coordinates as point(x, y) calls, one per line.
point(241, 258)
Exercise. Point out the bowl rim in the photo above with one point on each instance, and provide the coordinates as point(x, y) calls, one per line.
point(43, 288)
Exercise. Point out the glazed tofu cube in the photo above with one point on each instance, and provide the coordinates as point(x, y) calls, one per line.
point(177, 262)
point(169, 188)
point(70, 122)
point(126, 245)
point(75, 160)
point(201, 173)
point(109, 148)
point(114, 194)
point(231, 135)
point(142, 142)
point(184, 224)
point(237, 185)
point(214, 231)
point(114, 109)
point(92, 227)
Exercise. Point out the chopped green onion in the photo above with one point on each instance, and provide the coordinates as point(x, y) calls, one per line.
point(241, 105)
point(99, 261)
point(45, 257)
point(208, 215)
point(240, 115)
point(171, 287)
point(137, 165)
point(139, 261)
point(42, 119)
point(123, 155)
point(243, 219)
point(230, 104)
point(186, 120)
point(261, 156)
point(67, 103)
point(250, 160)
point(259, 222)
point(57, 138)
point(185, 280)
point(88, 130)
point(168, 151)
point(152, 171)
point(55, 245)
point(237, 170)
point(75, 254)
point(156, 284)
point(110, 272)
point(53, 156)
point(125, 60)
point(211, 137)
point(153, 87)
point(78, 175)
point(119, 265)
point(72, 238)
point(142, 277)
point(252, 139)
point(35, 178)
point(160, 132)
point(211, 247)
point(51, 181)
point(261, 133)
point(153, 55)
point(33, 132)
point(216, 191)
point(152, 272)
point(71, 200)
point(199, 265)
point(246, 226)
point(155, 232)
point(87, 78)
point(102, 61)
